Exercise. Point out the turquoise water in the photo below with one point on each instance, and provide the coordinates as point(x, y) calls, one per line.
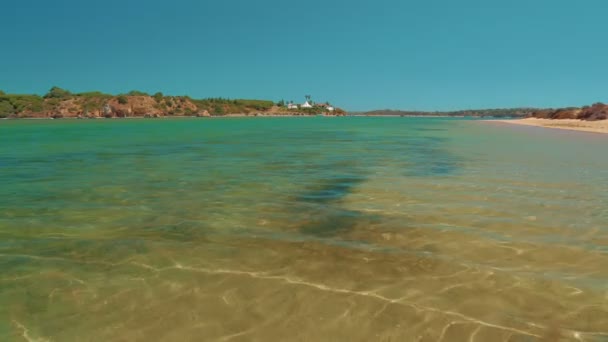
point(309, 229)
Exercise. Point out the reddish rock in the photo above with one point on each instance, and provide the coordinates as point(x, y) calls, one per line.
point(567, 113)
point(598, 111)
point(134, 106)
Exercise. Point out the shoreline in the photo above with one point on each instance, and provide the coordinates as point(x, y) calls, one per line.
point(173, 117)
point(407, 116)
point(600, 127)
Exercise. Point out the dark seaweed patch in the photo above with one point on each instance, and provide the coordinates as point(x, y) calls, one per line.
point(321, 202)
point(330, 190)
point(328, 225)
point(426, 157)
point(334, 222)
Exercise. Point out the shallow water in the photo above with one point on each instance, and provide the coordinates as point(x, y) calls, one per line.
point(303, 229)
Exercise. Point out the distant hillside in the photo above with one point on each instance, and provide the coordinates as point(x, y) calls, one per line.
point(61, 103)
point(598, 111)
point(498, 113)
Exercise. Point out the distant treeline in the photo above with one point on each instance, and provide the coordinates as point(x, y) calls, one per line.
point(221, 106)
point(498, 113)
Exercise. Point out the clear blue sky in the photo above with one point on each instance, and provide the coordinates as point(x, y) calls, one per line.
point(425, 55)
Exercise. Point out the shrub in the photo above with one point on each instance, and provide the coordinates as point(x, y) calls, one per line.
point(137, 93)
point(6, 109)
point(218, 110)
point(57, 93)
point(21, 103)
point(94, 94)
point(122, 99)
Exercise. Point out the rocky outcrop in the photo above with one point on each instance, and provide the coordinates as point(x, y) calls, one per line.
point(598, 111)
point(133, 106)
point(116, 107)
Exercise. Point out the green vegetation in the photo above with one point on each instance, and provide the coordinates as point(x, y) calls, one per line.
point(218, 110)
point(93, 101)
point(57, 93)
point(94, 94)
point(122, 99)
point(137, 93)
point(20, 105)
point(260, 105)
point(6, 108)
point(221, 106)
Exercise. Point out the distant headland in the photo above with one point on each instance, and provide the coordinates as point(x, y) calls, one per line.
point(61, 103)
point(595, 112)
point(498, 113)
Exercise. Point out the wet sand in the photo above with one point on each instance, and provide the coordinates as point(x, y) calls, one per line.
point(568, 124)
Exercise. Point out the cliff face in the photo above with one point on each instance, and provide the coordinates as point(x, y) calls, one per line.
point(148, 106)
point(598, 111)
point(120, 106)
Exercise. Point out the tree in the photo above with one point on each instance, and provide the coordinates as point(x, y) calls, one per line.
point(158, 97)
point(281, 103)
point(6, 109)
point(57, 93)
point(122, 99)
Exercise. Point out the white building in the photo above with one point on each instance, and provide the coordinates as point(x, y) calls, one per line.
point(330, 108)
point(292, 105)
point(306, 105)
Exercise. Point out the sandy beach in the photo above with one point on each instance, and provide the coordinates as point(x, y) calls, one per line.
point(568, 124)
